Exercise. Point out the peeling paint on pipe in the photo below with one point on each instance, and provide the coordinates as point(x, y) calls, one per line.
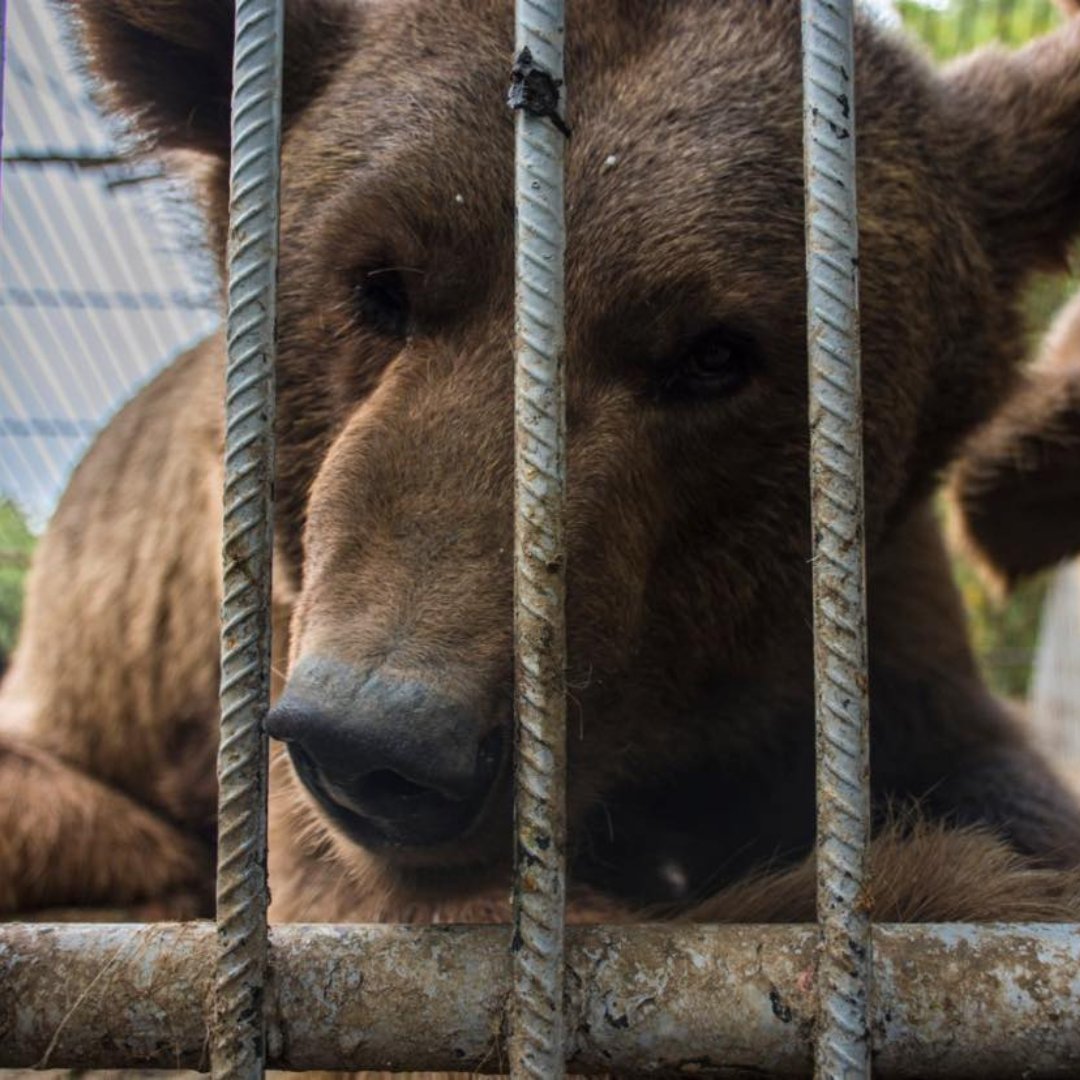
point(950, 1001)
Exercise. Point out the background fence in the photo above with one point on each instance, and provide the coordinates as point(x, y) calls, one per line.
point(101, 282)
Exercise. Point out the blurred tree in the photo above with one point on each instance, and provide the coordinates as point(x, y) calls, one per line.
point(16, 545)
point(954, 26)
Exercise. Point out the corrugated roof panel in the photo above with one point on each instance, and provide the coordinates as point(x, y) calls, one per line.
point(102, 279)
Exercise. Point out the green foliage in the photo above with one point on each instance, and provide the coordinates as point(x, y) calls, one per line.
point(954, 26)
point(1004, 632)
point(1046, 294)
point(16, 544)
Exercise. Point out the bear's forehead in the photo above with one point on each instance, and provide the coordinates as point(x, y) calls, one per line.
point(685, 161)
point(418, 120)
point(697, 72)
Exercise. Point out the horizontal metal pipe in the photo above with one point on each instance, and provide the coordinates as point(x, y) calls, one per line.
point(959, 1001)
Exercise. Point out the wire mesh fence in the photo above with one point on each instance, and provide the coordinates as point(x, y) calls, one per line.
point(101, 282)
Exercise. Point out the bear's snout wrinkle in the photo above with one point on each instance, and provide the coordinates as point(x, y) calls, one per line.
point(389, 759)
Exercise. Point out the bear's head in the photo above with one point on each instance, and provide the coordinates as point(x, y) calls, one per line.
point(687, 528)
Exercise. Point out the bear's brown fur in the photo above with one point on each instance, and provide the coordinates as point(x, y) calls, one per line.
point(1016, 488)
point(690, 677)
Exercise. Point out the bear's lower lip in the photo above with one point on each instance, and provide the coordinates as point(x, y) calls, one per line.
point(414, 818)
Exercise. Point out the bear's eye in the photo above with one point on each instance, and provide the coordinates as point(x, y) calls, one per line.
point(381, 301)
point(717, 363)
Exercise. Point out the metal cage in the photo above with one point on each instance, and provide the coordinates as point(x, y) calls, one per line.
point(929, 1000)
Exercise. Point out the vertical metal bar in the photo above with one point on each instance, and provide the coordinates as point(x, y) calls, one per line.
point(536, 1047)
point(836, 480)
point(238, 1037)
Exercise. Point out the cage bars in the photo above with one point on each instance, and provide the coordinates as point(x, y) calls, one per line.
point(948, 1000)
point(238, 1035)
point(836, 496)
point(536, 1046)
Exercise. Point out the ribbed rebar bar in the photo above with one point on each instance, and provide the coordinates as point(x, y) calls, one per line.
point(537, 1026)
point(836, 479)
point(238, 1044)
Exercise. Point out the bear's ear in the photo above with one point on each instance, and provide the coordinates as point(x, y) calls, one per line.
point(1016, 489)
point(166, 65)
point(1015, 121)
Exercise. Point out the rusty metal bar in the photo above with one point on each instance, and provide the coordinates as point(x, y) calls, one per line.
point(836, 481)
point(237, 1036)
point(950, 1001)
point(536, 1047)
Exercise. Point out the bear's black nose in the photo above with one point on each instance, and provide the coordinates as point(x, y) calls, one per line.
point(391, 761)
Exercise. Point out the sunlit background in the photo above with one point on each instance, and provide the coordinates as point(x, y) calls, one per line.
point(102, 282)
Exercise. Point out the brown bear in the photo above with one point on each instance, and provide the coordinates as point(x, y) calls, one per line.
point(1017, 485)
point(690, 787)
